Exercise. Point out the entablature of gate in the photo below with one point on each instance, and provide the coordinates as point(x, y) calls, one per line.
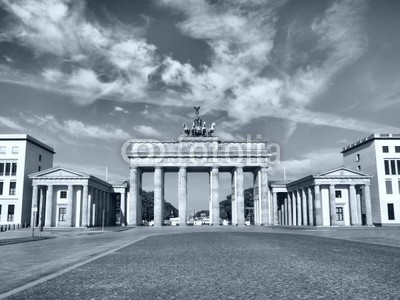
point(198, 152)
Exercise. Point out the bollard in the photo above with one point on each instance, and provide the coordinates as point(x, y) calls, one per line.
point(9, 226)
point(18, 226)
point(1, 228)
point(25, 225)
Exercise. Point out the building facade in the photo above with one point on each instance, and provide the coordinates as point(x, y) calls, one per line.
point(65, 198)
point(20, 155)
point(339, 197)
point(379, 155)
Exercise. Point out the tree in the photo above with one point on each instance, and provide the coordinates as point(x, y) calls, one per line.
point(148, 207)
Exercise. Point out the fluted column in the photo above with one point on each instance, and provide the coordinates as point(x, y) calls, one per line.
point(290, 217)
point(233, 198)
point(89, 207)
point(182, 196)
point(70, 205)
point(49, 206)
point(256, 196)
point(123, 208)
point(332, 204)
point(239, 196)
point(310, 207)
point(286, 214)
point(317, 205)
point(299, 210)
point(85, 193)
point(41, 205)
point(133, 196)
point(275, 205)
point(158, 197)
point(214, 188)
point(294, 207)
point(264, 197)
point(353, 204)
point(34, 204)
point(368, 208)
point(304, 207)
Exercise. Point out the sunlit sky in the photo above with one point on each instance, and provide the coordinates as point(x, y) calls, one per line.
point(312, 75)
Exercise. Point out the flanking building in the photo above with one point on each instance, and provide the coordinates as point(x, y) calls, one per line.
point(379, 155)
point(339, 197)
point(66, 198)
point(20, 155)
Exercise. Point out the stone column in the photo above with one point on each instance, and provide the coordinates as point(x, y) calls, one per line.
point(34, 204)
point(41, 205)
point(368, 207)
point(294, 207)
point(286, 211)
point(317, 205)
point(123, 208)
point(94, 206)
point(182, 196)
point(256, 196)
point(89, 207)
point(359, 212)
point(264, 197)
point(70, 205)
point(49, 206)
point(158, 197)
point(283, 221)
point(299, 211)
point(214, 187)
point(310, 207)
point(275, 205)
point(304, 205)
point(85, 193)
point(133, 196)
point(290, 217)
point(233, 198)
point(353, 204)
point(332, 204)
point(239, 196)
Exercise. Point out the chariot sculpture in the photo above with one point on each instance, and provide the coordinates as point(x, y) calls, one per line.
point(199, 127)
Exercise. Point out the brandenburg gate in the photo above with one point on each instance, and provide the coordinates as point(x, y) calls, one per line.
point(198, 150)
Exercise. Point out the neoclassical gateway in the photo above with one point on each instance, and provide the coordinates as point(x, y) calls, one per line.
point(197, 150)
point(67, 198)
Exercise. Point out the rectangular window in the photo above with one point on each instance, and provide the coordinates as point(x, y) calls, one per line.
point(39, 168)
point(62, 213)
point(385, 149)
point(1, 169)
point(338, 194)
point(393, 167)
point(387, 169)
point(2, 184)
point(10, 215)
point(13, 186)
point(390, 208)
point(8, 169)
point(399, 185)
point(339, 213)
point(398, 167)
point(397, 149)
point(63, 194)
point(357, 157)
point(40, 157)
point(15, 150)
point(359, 168)
point(389, 189)
point(14, 169)
point(2, 150)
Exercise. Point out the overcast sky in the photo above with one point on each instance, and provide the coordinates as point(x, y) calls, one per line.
point(312, 76)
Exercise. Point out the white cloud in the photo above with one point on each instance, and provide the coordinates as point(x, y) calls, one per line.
point(10, 123)
point(147, 131)
point(76, 128)
point(120, 109)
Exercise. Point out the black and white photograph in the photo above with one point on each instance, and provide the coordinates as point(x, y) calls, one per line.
point(199, 149)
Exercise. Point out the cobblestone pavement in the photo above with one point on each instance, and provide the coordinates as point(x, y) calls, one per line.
point(232, 264)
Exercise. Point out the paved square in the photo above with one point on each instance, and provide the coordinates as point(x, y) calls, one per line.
point(232, 265)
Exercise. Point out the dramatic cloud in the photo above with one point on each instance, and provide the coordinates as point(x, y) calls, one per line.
point(76, 128)
point(147, 131)
point(9, 123)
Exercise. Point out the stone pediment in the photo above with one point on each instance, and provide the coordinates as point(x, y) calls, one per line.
point(58, 172)
point(343, 172)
